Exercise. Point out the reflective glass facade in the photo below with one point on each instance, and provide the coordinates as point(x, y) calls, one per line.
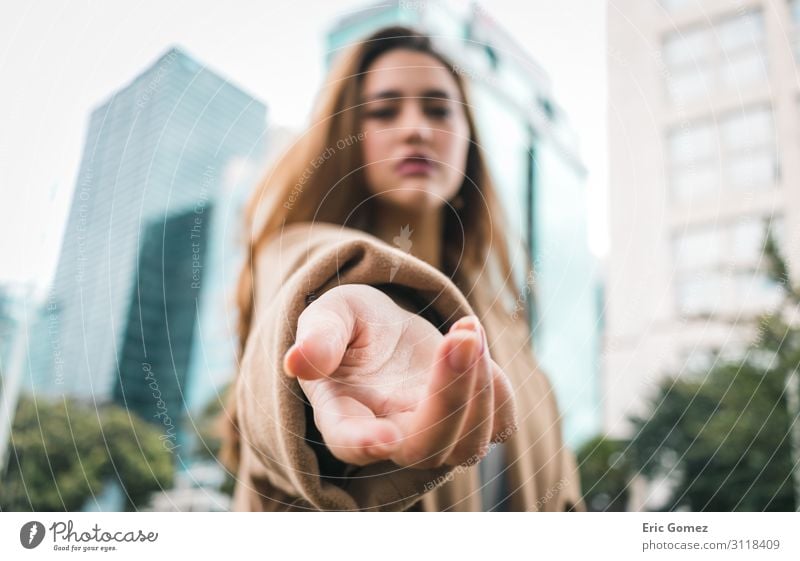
point(156, 152)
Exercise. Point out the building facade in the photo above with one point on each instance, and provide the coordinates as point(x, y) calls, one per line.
point(703, 141)
point(156, 152)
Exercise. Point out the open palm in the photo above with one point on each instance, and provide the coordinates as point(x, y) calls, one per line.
point(385, 384)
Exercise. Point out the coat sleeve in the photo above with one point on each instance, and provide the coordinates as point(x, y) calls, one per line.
point(280, 444)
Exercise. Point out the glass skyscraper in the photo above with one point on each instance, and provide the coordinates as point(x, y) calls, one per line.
point(133, 254)
point(156, 349)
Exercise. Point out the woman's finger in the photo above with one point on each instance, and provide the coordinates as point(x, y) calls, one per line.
point(434, 427)
point(505, 412)
point(324, 330)
point(477, 431)
point(352, 432)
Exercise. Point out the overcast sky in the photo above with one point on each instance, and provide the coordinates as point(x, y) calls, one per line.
point(58, 60)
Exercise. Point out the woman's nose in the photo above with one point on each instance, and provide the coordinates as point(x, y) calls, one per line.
point(414, 124)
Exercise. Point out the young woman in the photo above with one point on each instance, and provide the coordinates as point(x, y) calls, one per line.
point(381, 365)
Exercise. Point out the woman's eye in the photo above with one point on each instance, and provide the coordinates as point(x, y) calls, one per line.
point(385, 113)
point(439, 112)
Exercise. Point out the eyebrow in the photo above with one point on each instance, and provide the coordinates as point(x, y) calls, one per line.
point(397, 94)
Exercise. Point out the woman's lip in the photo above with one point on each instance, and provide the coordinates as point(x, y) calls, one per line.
point(415, 166)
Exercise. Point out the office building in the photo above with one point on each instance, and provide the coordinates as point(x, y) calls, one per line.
point(703, 139)
point(156, 151)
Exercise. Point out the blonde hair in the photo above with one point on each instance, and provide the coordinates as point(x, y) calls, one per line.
point(335, 191)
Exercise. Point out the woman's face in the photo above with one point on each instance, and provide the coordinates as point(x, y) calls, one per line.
point(416, 131)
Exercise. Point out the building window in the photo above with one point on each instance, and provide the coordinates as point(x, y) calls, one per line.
point(693, 155)
point(719, 268)
point(724, 57)
point(697, 360)
point(700, 293)
point(737, 154)
point(677, 5)
point(755, 292)
point(794, 9)
point(701, 248)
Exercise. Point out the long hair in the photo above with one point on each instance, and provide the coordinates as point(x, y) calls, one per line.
point(333, 190)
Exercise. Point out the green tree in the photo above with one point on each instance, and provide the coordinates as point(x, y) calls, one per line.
point(605, 473)
point(63, 452)
point(725, 437)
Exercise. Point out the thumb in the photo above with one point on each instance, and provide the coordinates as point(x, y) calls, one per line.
point(324, 331)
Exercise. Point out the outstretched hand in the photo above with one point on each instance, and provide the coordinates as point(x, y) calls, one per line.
point(385, 384)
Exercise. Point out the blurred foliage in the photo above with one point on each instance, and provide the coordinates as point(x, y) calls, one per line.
point(210, 428)
point(62, 454)
point(724, 439)
point(605, 474)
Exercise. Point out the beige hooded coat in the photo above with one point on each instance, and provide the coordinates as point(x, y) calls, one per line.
point(284, 465)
